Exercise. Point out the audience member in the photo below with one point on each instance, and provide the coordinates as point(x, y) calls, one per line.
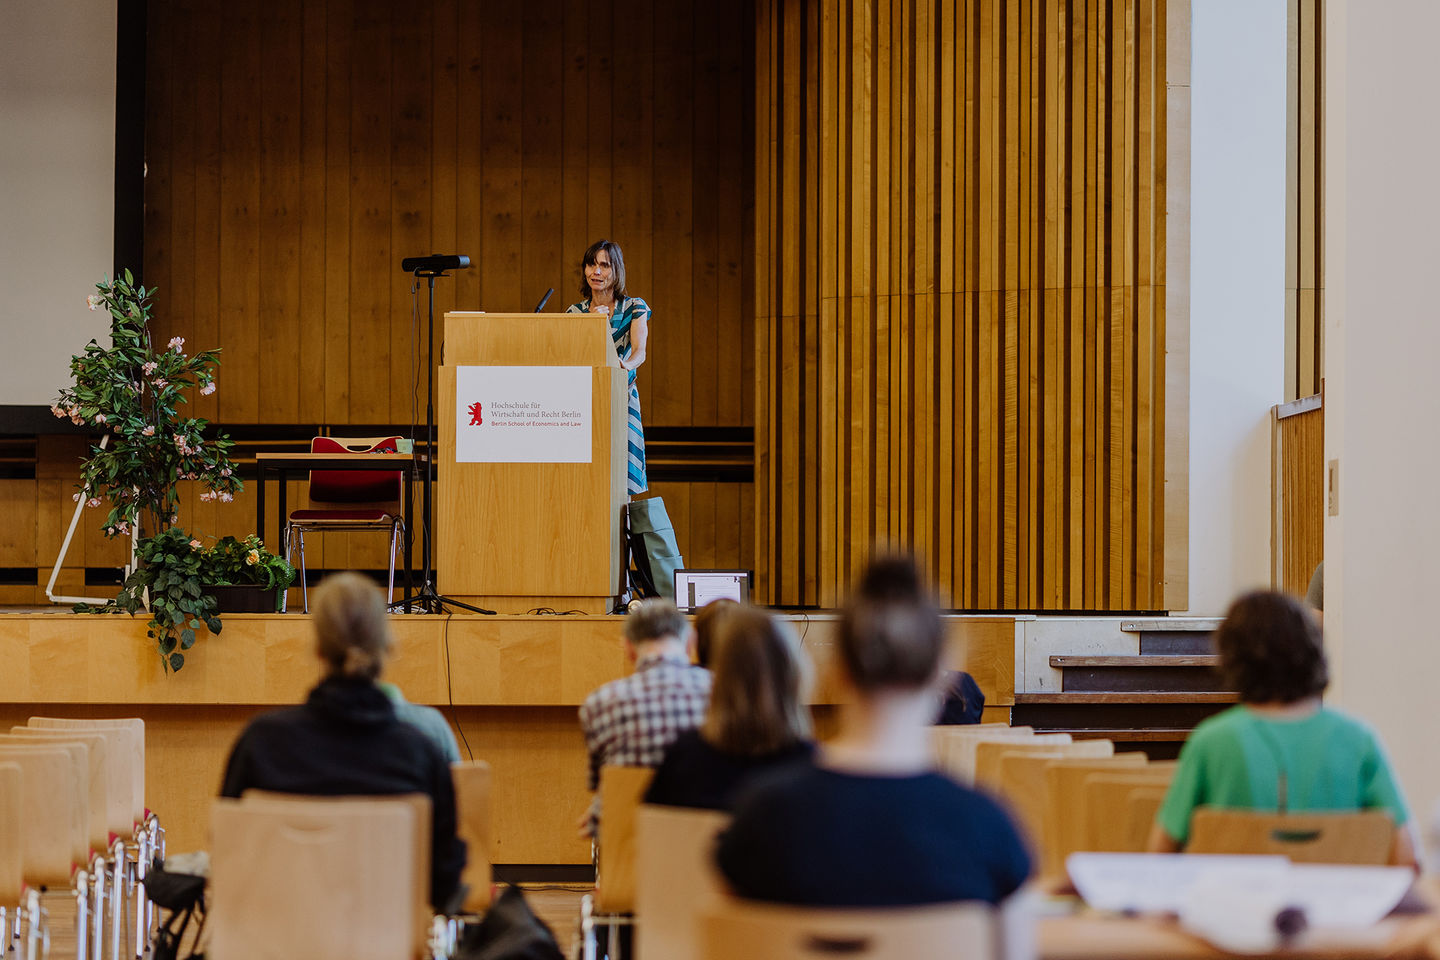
point(1280, 748)
point(869, 822)
point(757, 718)
point(346, 739)
point(427, 720)
point(707, 620)
point(962, 701)
point(630, 722)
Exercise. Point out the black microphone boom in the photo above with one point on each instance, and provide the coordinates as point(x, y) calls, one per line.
point(435, 263)
point(545, 299)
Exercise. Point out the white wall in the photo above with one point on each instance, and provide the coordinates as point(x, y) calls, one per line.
point(1382, 405)
point(1237, 289)
point(57, 186)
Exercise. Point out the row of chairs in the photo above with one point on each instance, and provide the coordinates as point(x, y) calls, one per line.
point(73, 825)
point(1067, 795)
point(333, 878)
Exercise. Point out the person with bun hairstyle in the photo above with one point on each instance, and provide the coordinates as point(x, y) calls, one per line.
point(345, 739)
point(869, 822)
point(1279, 749)
point(757, 718)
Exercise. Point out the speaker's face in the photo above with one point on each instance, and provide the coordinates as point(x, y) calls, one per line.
point(600, 274)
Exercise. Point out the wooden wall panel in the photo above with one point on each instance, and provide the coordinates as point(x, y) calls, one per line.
point(1299, 496)
point(1305, 203)
point(959, 241)
point(298, 151)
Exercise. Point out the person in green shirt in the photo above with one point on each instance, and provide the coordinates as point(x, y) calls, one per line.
point(1280, 748)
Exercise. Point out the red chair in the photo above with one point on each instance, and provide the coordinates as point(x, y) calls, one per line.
point(353, 499)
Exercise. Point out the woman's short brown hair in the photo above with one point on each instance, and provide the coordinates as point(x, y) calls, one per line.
point(761, 678)
point(891, 635)
point(1270, 649)
point(352, 628)
point(617, 267)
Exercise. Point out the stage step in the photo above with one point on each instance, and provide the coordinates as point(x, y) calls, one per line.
point(1128, 697)
point(1143, 674)
point(1174, 636)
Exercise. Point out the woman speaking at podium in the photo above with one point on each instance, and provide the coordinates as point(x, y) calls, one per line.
point(602, 284)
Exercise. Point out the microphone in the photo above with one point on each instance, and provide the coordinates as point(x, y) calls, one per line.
point(544, 300)
point(435, 263)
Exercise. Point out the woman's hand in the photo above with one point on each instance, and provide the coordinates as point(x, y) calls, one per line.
point(600, 308)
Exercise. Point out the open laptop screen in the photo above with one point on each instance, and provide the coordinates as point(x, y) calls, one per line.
point(695, 588)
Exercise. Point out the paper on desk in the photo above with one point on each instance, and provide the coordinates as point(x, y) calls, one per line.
point(1331, 895)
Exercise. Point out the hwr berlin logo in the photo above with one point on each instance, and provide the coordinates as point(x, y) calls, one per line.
point(476, 419)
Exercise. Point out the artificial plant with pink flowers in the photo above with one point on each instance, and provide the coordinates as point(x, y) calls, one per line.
point(135, 392)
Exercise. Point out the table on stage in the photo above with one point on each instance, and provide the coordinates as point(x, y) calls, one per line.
point(284, 464)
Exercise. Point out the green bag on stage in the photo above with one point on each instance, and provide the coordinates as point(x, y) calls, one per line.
point(654, 553)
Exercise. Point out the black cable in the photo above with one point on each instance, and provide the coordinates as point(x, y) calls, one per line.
point(450, 688)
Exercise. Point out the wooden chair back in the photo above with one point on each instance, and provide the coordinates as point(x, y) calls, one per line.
point(129, 733)
point(758, 931)
point(473, 816)
point(988, 755)
point(621, 789)
point(1363, 837)
point(120, 772)
point(1063, 831)
point(12, 835)
point(97, 773)
point(1112, 824)
point(53, 808)
point(331, 879)
point(953, 744)
point(676, 878)
point(420, 847)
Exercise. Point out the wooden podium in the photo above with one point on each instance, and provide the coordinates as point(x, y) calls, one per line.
point(513, 530)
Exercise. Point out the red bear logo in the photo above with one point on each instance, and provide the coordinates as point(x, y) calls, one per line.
point(476, 410)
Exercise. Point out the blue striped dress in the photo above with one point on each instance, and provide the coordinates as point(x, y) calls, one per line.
point(627, 310)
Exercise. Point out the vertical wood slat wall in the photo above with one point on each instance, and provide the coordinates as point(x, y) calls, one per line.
point(960, 298)
point(298, 150)
point(1305, 203)
point(1299, 508)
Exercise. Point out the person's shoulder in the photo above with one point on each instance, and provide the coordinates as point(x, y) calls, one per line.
point(636, 305)
point(1223, 725)
point(621, 688)
point(1339, 724)
point(777, 787)
point(579, 306)
point(278, 721)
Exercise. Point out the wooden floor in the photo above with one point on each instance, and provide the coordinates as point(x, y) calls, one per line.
point(559, 907)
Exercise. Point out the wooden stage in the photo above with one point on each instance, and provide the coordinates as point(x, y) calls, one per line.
point(510, 687)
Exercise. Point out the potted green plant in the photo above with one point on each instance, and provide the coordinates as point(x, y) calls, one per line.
point(134, 393)
point(244, 577)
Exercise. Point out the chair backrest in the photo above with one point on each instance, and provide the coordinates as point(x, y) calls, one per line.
point(12, 834)
point(989, 754)
point(119, 768)
point(1063, 830)
point(950, 743)
point(53, 807)
point(473, 814)
point(759, 931)
point(1362, 837)
point(331, 879)
point(1111, 823)
point(965, 753)
point(676, 879)
point(131, 743)
point(621, 789)
point(96, 773)
point(355, 486)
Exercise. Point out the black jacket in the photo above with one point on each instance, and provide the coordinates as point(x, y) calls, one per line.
point(346, 740)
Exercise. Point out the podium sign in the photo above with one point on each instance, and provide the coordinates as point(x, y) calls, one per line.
point(530, 481)
point(522, 414)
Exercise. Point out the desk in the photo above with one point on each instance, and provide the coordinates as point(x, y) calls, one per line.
point(1092, 936)
point(284, 464)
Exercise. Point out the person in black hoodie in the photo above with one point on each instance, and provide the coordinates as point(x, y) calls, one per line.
point(346, 739)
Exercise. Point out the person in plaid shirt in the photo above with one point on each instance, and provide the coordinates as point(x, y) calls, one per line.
point(631, 721)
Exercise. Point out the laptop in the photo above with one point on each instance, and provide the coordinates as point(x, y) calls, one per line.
point(695, 588)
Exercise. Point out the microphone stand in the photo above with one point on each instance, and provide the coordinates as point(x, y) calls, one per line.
point(428, 600)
